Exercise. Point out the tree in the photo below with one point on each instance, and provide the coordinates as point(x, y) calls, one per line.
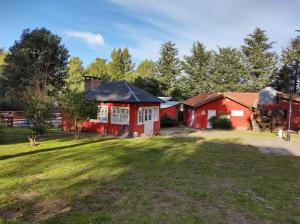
point(99, 68)
point(283, 79)
point(259, 59)
point(227, 70)
point(197, 70)
point(168, 68)
point(37, 61)
point(75, 74)
point(39, 112)
point(120, 64)
point(76, 108)
point(149, 84)
point(146, 69)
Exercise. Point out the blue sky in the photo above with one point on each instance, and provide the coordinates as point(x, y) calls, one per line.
point(92, 28)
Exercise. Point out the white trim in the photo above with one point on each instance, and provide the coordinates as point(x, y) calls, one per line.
point(116, 122)
point(99, 120)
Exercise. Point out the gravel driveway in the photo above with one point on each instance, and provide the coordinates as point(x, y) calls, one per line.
point(264, 141)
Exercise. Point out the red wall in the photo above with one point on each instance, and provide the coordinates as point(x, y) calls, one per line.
point(295, 118)
point(221, 106)
point(170, 112)
point(113, 129)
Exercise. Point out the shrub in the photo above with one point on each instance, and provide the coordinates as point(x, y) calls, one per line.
point(166, 121)
point(2, 132)
point(221, 122)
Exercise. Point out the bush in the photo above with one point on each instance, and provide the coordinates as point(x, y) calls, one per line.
point(166, 121)
point(221, 122)
point(2, 132)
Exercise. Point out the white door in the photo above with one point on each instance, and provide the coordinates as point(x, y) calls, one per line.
point(210, 113)
point(148, 120)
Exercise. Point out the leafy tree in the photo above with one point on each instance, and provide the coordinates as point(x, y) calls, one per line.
point(149, 84)
point(99, 68)
point(76, 108)
point(283, 79)
point(121, 64)
point(75, 73)
point(39, 112)
point(146, 68)
point(197, 70)
point(259, 59)
point(168, 68)
point(227, 70)
point(37, 61)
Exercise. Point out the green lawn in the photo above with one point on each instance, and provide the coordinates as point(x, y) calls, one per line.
point(152, 180)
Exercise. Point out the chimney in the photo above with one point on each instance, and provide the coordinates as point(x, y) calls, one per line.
point(91, 83)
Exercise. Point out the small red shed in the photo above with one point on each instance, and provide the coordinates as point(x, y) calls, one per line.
point(123, 107)
point(169, 108)
point(238, 106)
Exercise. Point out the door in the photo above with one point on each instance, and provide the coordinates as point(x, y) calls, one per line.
point(148, 120)
point(210, 113)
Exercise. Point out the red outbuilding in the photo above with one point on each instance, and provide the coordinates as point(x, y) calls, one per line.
point(237, 106)
point(169, 108)
point(122, 108)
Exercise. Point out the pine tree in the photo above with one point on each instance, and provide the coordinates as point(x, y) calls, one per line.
point(75, 73)
point(259, 59)
point(168, 68)
point(197, 71)
point(228, 70)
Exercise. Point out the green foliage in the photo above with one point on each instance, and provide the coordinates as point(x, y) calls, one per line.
point(37, 61)
point(146, 69)
point(197, 69)
point(259, 59)
point(99, 68)
point(228, 71)
point(166, 121)
point(120, 64)
point(221, 122)
point(76, 108)
point(75, 73)
point(283, 80)
point(150, 85)
point(39, 112)
point(168, 68)
point(2, 132)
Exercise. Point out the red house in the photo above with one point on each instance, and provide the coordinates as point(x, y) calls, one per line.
point(122, 108)
point(169, 108)
point(237, 106)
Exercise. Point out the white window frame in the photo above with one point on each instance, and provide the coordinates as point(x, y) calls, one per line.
point(119, 122)
point(99, 118)
point(237, 113)
point(140, 114)
point(156, 113)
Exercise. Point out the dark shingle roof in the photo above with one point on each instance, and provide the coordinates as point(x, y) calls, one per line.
point(120, 91)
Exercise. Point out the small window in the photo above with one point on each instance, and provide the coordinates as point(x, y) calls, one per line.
point(120, 115)
point(150, 114)
point(156, 113)
point(145, 114)
point(140, 116)
point(102, 114)
point(237, 113)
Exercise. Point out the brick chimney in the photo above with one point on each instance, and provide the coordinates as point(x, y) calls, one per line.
point(91, 83)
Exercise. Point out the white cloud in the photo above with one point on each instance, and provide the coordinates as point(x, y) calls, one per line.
point(93, 39)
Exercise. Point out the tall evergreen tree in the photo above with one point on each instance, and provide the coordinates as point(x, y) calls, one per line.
point(168, 68)
point(197, 71)
point(259, 59)
point(75, 73)
point(228, 70)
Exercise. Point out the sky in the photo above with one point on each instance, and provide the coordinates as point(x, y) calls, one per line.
point(93, 28)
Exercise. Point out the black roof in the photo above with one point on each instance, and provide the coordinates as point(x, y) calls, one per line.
point(121, 91)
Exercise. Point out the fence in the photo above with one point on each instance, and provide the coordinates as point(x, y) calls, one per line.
point(17, 119)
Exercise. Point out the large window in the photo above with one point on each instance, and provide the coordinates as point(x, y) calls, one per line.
point(120, 115)
point(237, 113)
point(148, 114)
point(102, 114)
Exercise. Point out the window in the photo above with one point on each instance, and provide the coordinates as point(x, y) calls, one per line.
point(237, 113)
point(102, 114)
point(140, 116)
point(145, 114)
point(120, 115)
point(150, 114)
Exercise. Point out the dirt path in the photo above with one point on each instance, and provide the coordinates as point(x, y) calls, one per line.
point(265, 142)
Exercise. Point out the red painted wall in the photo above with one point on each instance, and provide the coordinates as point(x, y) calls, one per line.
point(113, 129)
point(170, 112)
point(295, 118)
point(221, 106)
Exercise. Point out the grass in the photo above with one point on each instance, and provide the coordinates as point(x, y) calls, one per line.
point(152, 180)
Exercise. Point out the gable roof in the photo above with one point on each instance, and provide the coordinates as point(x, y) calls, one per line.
point(120, 91)
point(245, 99)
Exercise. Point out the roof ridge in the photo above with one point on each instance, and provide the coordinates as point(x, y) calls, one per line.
point(131, 91)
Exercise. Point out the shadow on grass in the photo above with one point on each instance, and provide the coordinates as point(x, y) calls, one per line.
point(164, 180)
